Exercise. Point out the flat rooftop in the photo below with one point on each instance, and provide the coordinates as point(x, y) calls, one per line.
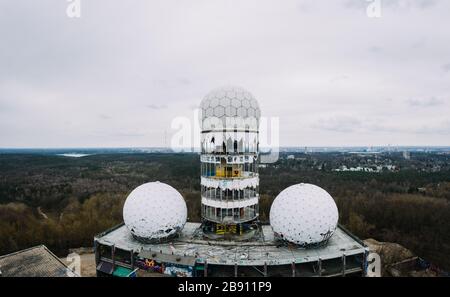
point(37, 261)
point(263, 250)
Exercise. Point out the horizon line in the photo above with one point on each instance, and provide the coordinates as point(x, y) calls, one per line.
point(198, 147)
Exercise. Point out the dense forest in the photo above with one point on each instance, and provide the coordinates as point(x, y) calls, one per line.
point(63, 202)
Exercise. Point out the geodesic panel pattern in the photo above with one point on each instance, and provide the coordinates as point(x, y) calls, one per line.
point(154, 211)
point(304, 214)
point(230, 102)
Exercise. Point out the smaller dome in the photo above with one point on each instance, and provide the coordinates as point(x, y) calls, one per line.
point(154, 211)
point(304, 214)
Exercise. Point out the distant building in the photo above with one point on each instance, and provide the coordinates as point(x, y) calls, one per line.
point(407, 155)
point(37, 261)
point(378, 169)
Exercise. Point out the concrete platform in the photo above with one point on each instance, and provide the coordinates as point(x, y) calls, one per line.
point(263, 251)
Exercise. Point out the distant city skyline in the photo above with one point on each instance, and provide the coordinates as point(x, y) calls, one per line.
point(119, 75)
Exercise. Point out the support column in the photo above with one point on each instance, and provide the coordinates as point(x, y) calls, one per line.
point(364, 264)
point(320, 267)
point(113, 251)
point(96, 252)
point(293, 269)
point(343, 264)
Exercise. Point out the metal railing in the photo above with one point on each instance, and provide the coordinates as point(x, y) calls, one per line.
point(220, 195)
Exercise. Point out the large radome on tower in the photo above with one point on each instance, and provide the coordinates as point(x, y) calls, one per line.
point(229, 163)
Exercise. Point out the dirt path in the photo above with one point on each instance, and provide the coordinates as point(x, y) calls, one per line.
point(41, 213)
point(87, 264)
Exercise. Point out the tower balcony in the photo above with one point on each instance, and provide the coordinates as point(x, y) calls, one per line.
point(230, 203)
point(230, 183)
point(230, 215)
point(229, 195)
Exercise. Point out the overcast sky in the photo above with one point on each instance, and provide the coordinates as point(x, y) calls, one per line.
point(117, 76)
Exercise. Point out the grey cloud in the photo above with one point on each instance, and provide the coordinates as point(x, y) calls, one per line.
point(427, 3)
point(184, 81)
point(339, 124)
point(375, 49)
point(418, 44)
point(339, 78)
point(397, 4)
point(320, 66)
point(442, 128)
point(446, 67)
point(355, 125)
point(430, 102)
point(156, 106)
point(361, 4)
point(126, 134)
point(376, 127)
point(104, 117)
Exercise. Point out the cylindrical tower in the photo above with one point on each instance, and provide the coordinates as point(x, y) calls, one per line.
point(229, 163)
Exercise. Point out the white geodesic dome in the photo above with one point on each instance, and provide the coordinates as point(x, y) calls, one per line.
point(231, 103)
point(304, 214)
point(154, 211)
